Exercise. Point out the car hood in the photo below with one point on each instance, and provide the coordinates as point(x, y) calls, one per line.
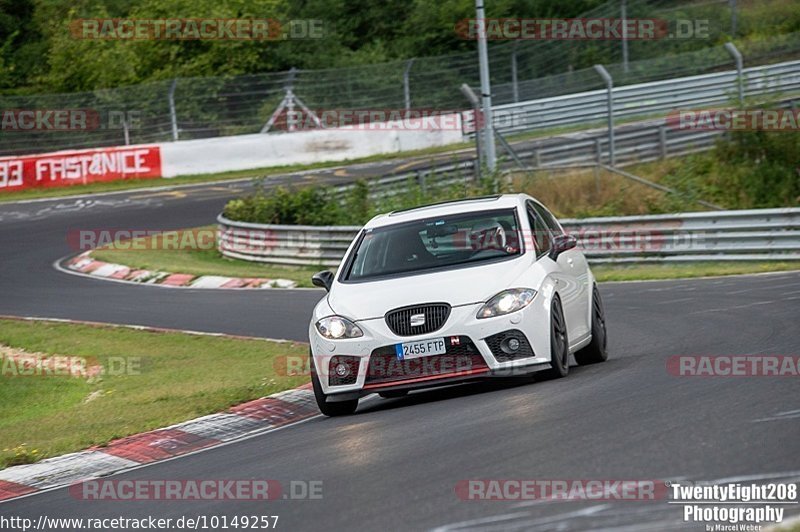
point(373, 299)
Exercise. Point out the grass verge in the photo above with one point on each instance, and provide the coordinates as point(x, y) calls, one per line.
point(164, 378)
point(640, 272)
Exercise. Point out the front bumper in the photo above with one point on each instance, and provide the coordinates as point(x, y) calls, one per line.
point(473, 352)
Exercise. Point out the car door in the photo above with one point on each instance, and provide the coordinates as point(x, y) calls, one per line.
point(542, 238)
point(574, 280)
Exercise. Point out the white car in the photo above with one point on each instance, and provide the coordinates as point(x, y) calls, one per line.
point(449, 293)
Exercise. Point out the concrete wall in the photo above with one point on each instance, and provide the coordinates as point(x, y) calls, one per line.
point(223, 154)
point(244, 152)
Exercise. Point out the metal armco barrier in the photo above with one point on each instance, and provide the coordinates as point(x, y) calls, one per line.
point(759, 234)
point(637, 143)
point(643, 99)
point(762, 234)
point(284, 244)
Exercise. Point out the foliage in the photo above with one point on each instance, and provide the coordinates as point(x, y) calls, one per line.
point(754, 169)
point(322, 205)
point(20, 455)
point(38, 53)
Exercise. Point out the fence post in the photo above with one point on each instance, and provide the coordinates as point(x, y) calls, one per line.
point(662, 141)
point(739, 68)
point(598, 151)
point(600, 69)
point(486, 88)
point(514, 82)
point(470, 95)
point(172, 114)
point(406, 83)
point(126, 131)
point(624, 16)
point(290, 117)
point(732, 4)
point(597, 179)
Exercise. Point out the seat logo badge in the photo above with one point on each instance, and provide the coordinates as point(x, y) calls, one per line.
point(416, 320)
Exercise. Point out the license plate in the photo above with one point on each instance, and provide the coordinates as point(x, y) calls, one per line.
point(420, 348)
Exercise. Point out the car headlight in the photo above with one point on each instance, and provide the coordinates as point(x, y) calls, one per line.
point(506, 302)
point(336, 327)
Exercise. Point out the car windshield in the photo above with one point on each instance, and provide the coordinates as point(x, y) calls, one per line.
point(435, 243)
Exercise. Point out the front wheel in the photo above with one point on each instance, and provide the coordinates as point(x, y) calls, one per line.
point(559, 345)
point(339, 408)
point(596, 350)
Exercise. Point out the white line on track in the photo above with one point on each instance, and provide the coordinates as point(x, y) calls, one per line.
point(735, 307)
point(668, 301)
point(585, 512)
point(780, 416)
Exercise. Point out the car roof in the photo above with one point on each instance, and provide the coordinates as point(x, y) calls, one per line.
point(483, 203)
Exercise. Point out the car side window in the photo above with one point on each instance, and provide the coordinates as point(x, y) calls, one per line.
point(548, 218)
point(540, 233)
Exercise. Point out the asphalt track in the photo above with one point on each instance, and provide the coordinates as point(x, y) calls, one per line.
point(395, 464)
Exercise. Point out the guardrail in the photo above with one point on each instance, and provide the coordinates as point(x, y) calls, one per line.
point(643, 99)
point(745, 235)
point(640, 143)
point(284, 244)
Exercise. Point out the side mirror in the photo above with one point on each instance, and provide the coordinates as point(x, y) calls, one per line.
point(323, 279)
point(562, 243)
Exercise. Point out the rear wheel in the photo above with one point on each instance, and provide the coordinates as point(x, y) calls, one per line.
point(559, 344)
point(596, 350)
point(339, 408)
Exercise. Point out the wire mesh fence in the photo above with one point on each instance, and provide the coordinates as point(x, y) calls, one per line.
point(195, 108)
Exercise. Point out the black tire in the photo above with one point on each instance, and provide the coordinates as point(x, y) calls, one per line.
point(393, 394)
point(596, 351)
point(559, 343)
point(339, 408)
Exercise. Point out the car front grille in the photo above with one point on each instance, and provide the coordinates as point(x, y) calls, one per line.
point(434, 314)
point(461, 358)
point(499, 345)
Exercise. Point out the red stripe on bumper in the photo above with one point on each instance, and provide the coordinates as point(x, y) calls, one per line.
point(465, 373)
